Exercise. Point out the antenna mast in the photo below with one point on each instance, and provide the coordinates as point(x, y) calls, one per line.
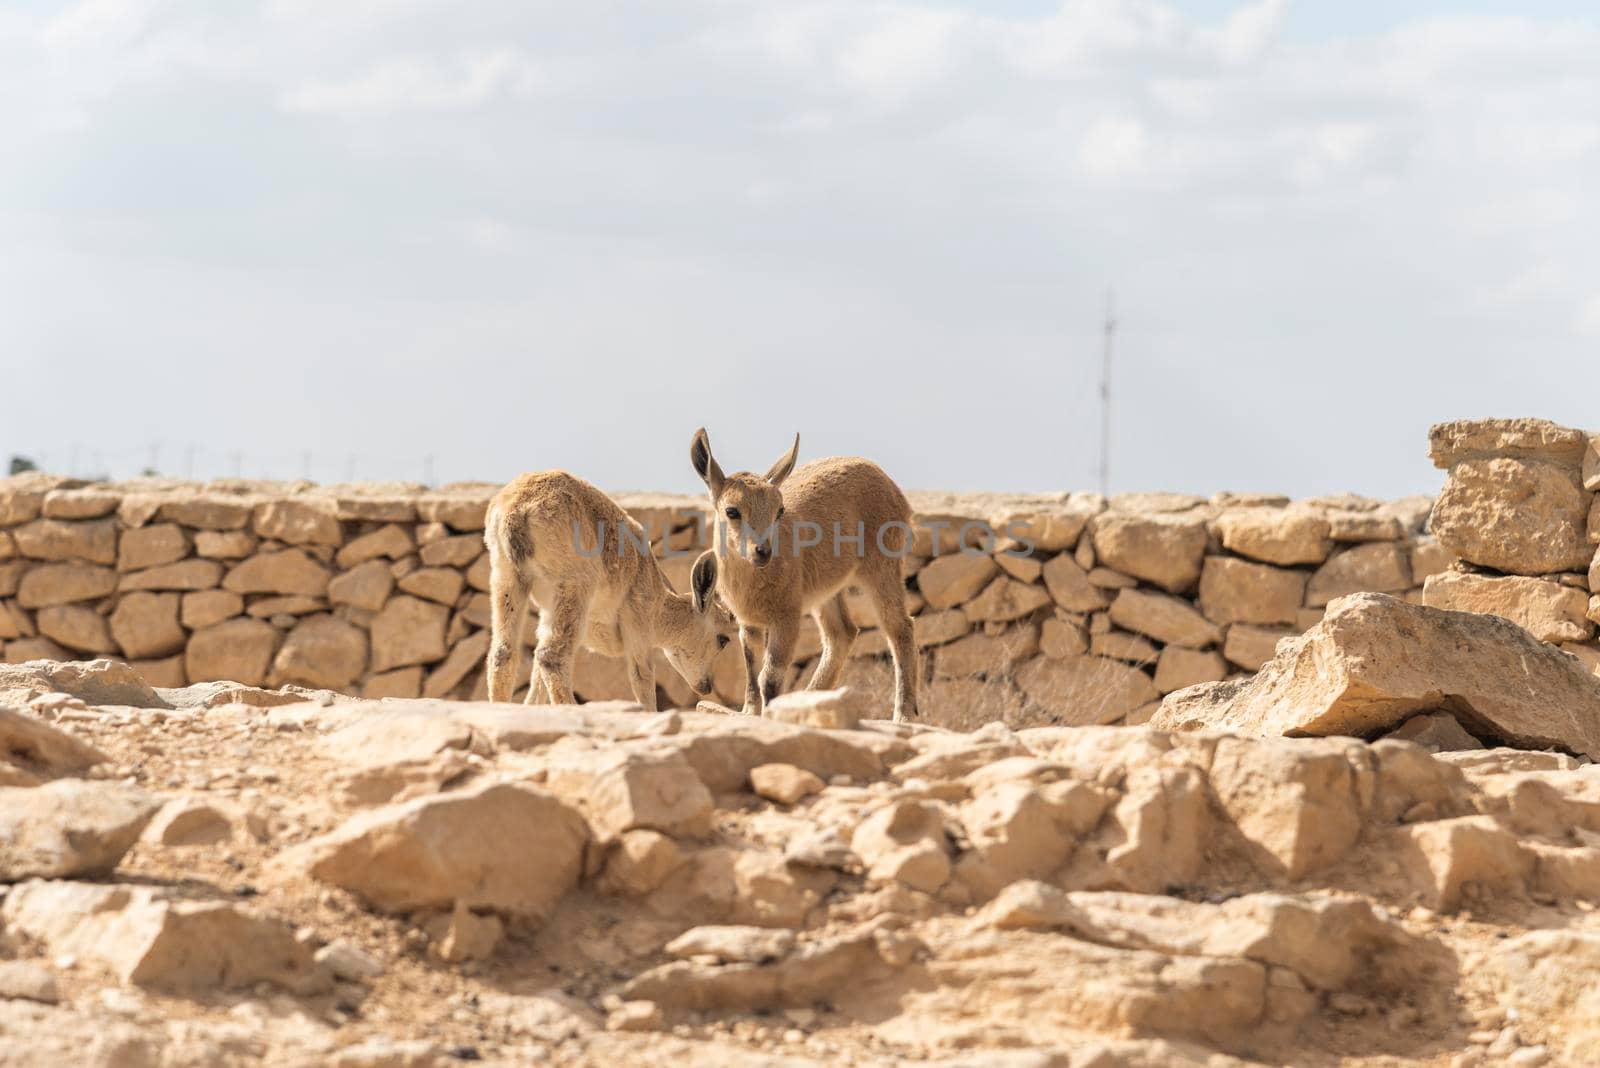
point(1105, 395)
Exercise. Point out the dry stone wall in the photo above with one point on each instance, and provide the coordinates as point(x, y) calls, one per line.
point(380, 589)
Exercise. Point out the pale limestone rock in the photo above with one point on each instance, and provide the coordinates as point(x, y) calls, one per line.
point(1237, 591)
point(150, 939)
point(1476, 439)
point(14, 622)
point(1445, 856)
point(408, 631)
point(1429, 558)
point(501, 846)
point(69, 827)
point(83, 503)
point(905, 842)
point(34, 748)
point(164, 543)
point(1295, 801)
point(95, 682)
point(462, 934)
point(1107, 579)
point(237, 650)
point(1120, 645)
point(286, 571)
point(145, 625)
point(1005, 599)
point(390, 541)
point(402, 682)
point(204, 607)
point(949, 580)
point(461, 507)
point(275, 608)
point(469, 654)
point(458, 551)
point(1379, 567)
point(26, 980)
point(299, 521)
point(1523, 517)
point(75, 627)
point(189, 821)
point(224, 544)
point(183, 575)
point(1249, 646)
point(321, 652)
point(1548, 610)
point(640, 861)
point(1178, 668)
point(1084, 689)
point(936, 628)
point(977, 654)
point(93, 542)
point(1069, 585)
point(783, 783)
point(1162, 549)
point(1167, 619)
point(208, 511)
point(349, 962)
point(366, 585)
point(1022, 830)
point(1022, 568)
point(441, 584)
point(838, 709)
point(53, 584)
point(1276, 536)
point(732, 944)
point(1374, 661)
point(623, 790)
point(1059, 638)
point(1050, 531)
point(1436, 732)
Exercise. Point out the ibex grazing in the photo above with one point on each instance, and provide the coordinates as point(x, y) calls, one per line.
point(832, 524)
point(588, 565)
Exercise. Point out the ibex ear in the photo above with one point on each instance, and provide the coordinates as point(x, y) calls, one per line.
point(703, 580)
point(781, 469)
point(705, 465)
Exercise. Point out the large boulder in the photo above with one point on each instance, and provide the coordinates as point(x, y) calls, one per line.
point(502, 846)
point(1162, 549)
point(95, 682)
point(69, 827)
point(1548, 610)
point(1375, 660)
point(1515, 499)
point(151, 938)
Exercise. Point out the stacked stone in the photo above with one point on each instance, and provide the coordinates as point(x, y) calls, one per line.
point(1124, 600)
point(1520, 514)
point(381, 589)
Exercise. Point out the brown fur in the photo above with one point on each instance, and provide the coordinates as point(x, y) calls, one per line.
point(615, 601)
point(769, 599)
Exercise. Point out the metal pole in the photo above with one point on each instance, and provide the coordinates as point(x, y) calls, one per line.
point(1105, 395)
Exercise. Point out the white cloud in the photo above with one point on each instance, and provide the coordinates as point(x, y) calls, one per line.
point(421, 84)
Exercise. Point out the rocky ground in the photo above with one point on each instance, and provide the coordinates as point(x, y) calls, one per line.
point(222, 875)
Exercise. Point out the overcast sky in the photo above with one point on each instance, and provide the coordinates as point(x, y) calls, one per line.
point(516, 234)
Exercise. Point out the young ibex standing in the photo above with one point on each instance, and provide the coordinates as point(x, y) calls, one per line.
point(588, 565)
point(812, 533)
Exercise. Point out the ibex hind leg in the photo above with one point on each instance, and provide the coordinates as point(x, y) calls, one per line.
point(888, 593)
point(508, 612)
point(838, 635)
point(560, 630)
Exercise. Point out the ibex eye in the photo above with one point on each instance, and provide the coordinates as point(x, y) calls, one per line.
point(722, 641)
point(733, 514)
point(780, 511)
